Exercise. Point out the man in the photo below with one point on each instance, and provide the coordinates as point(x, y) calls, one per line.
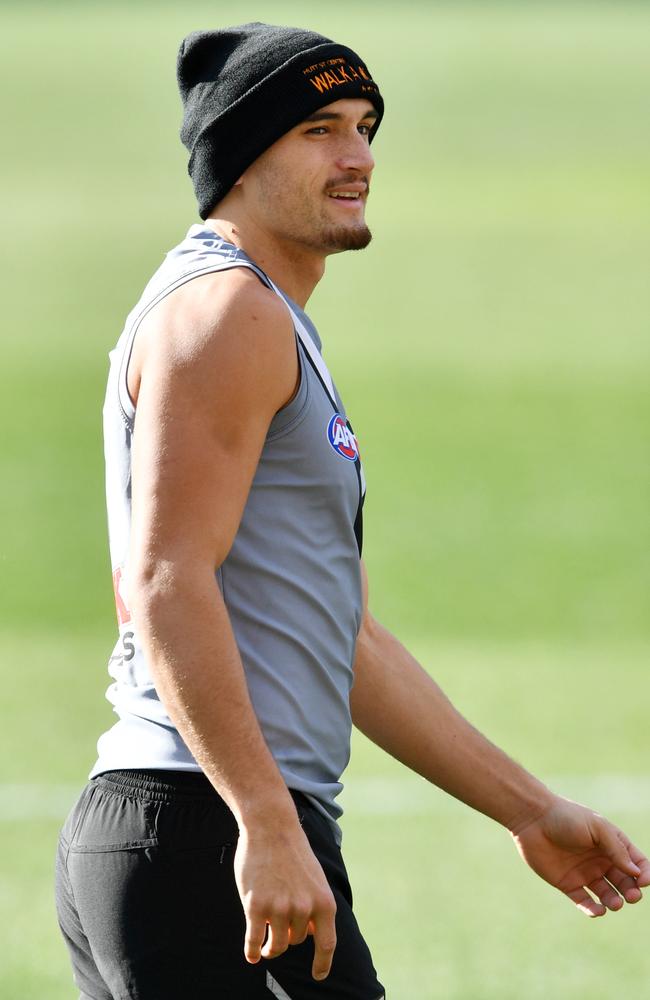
point(202, 860)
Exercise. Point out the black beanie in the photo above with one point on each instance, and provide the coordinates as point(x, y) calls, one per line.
point(244, 87)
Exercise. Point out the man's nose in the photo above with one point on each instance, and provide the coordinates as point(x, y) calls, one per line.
point(355, 155)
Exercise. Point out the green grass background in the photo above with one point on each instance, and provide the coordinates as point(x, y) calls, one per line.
point(492, 346)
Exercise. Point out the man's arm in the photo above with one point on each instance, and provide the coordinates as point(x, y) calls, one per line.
point(210, 369)
point(401, 709)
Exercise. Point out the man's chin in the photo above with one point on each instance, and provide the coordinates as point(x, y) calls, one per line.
point(337, 239)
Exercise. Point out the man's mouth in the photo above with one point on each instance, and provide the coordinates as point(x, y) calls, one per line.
point(349, 189)
point(350, 195)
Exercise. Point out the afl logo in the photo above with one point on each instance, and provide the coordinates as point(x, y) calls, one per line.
point(342, 439)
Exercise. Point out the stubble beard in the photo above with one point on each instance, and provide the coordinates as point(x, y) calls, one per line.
point(300, 224)
point(337, 239)
point(322, 235)
point(355, 236)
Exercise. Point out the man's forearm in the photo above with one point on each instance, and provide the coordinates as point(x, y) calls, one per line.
point(401, 709)
point(191, 652)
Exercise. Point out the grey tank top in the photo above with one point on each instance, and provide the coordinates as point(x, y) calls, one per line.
point(291, 581)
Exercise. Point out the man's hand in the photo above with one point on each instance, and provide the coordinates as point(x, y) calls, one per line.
point(575, 850)
point(285, 893)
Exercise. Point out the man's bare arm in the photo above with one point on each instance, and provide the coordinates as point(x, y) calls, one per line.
point(210, 369)
point(401, 709)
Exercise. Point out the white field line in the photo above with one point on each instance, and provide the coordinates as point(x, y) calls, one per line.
point(413, 796)
point(367, 796)
point(34, 801)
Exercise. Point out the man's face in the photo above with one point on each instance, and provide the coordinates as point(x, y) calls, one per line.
point(310, 187)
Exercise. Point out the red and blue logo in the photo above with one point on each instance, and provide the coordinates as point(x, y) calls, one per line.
point(342, 439)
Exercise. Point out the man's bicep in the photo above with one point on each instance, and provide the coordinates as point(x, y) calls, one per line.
point(189, 482)
point(204, 405)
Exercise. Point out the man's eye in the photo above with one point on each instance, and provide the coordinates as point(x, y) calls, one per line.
point(364, 129)
point(317, 130)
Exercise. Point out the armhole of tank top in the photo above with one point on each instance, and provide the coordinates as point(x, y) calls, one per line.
point(292, 413)
point(126, 404)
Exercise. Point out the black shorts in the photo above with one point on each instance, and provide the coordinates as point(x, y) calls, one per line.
point(149, 909)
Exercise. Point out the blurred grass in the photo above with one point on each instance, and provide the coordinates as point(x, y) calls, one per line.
point(492, 346)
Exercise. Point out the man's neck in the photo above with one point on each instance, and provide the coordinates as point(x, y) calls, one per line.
point(296, 270)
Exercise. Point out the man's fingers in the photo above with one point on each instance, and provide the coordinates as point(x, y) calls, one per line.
point(298, 930)
point(323, 929)
point(255, 934)
point(631, 868)
point(268, 938)
point(625, 884)
point(619, 849)
point(642, 863)
point(586, 904)
point(277, 941)
point(608, 896)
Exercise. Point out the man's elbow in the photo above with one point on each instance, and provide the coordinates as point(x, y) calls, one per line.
point(369, 630)
point(157, 585)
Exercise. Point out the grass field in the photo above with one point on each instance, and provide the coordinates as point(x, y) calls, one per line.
point(494, 356)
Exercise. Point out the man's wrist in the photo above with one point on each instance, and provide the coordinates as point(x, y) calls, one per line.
point(266, 811)
point(535, 800)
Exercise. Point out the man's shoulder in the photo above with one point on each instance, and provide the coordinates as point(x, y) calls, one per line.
point(232, 303)
point(218, 323)
point(224, 298)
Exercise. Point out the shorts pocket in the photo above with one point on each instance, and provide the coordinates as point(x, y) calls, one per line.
point(113, 822)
